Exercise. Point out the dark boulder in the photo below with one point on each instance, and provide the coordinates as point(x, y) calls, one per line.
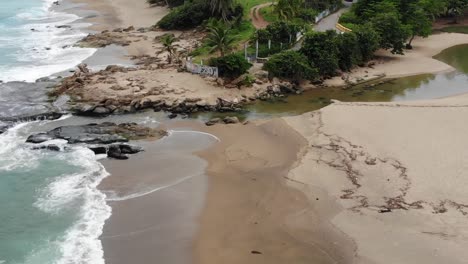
point(98, 149)
point(115, 153)
point(39, 138)
point(130, 149)
point(50, 147)
point(3, 128)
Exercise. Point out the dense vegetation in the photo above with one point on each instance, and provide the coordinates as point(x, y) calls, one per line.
point(387, 24)
point(397, 22)
point(231, 66)
point(193, 13)
point(290, 65)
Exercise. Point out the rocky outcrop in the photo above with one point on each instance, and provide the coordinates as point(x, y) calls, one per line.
point(104, 133)
point(101, 138)
point(7, 122)
point(106, 38)
point(226, 120)
point(32, 117)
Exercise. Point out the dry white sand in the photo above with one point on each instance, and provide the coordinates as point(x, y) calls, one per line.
point(409, 157)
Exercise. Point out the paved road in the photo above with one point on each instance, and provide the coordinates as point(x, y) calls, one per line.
point(330, 21)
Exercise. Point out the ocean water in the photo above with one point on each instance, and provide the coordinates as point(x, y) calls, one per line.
point(33, 41)
point(51, 210)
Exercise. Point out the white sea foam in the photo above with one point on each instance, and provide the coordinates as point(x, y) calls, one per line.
point(13, 154)
point(195, 132)
point(42, 48)
point(115, 198)
point(81, 242)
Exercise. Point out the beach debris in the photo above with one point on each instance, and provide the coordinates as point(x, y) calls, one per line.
point(231, 120)
point(256, 252)
point(213, 121)
point(385, 210)
point(226, 120)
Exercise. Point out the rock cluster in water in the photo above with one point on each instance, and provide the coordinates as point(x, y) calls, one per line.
point(105, 138)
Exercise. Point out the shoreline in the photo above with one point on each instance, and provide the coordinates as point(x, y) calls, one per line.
point(251, 214)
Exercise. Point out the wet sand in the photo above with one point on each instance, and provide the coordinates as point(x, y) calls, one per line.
point(251, 215)
point(156, 198)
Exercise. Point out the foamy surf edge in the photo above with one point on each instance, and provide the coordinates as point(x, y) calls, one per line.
point(81, 243)
point(49, 48)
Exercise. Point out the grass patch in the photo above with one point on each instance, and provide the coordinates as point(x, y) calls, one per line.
point(455, 29)
point(268, 13)
point(248, 4)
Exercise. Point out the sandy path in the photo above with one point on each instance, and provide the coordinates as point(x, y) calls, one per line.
point(256, 16)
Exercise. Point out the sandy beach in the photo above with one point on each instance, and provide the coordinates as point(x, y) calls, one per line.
point(397, 170)
point(112, 14)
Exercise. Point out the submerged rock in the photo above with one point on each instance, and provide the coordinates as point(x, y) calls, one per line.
point(50, 147)
point(32, 117)
point(4, 128)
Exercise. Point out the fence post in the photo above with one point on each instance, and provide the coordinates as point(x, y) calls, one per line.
point(245, 50)
point(256, 50)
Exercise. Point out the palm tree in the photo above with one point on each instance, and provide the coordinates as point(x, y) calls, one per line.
point(220, 38)
point(221, 7)
point(288, 9)
point(168, 42)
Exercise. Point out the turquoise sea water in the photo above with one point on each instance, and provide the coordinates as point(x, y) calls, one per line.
point(33, 41)
point(51, 210)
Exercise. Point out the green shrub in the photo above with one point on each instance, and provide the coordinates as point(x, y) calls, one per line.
point(368, 40)
point(193, 14)
point(308, 14)
point(189, 15)
point(349, 18)
point(321, 48)
point(279, 32)
point(349, 53)
point(290, 65)
point(231, 66)
point(249, 80)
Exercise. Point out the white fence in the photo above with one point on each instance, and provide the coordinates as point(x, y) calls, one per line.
point(201, 69)
point(322, 15)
